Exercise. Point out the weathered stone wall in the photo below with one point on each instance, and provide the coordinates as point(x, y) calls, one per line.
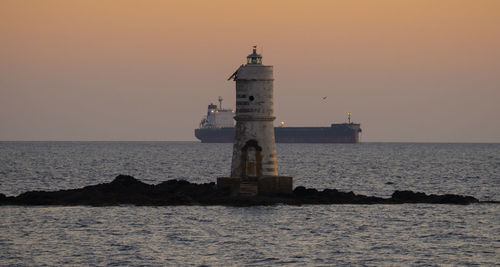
point(254, 122)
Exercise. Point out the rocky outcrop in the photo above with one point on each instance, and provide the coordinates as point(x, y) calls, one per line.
point(126, 189)
point(418, 197)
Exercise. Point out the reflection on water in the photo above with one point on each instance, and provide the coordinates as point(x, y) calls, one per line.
point(279, 235)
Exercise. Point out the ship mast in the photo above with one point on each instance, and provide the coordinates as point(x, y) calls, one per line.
point(220, 102)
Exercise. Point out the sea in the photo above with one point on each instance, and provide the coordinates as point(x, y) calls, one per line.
point(280, 235)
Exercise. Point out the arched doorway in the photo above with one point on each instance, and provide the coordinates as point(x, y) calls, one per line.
point(251, 163)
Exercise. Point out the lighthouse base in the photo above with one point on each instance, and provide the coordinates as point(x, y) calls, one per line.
point(265, 185)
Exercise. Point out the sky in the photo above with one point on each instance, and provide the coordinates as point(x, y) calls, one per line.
point(121, 70)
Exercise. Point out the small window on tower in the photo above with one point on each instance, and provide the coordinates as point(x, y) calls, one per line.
point(251, 98)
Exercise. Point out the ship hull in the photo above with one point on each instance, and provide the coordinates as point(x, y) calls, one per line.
point(337, 133)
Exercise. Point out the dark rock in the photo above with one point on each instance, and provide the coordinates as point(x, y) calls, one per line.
point(126, 181)
point(407, 196)
point(419, 197)
point(299, 191)
point(126, 189)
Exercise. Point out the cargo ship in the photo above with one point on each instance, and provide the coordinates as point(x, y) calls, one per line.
point(218, 127)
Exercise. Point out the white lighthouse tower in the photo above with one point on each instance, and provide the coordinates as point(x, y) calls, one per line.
point(254, 150)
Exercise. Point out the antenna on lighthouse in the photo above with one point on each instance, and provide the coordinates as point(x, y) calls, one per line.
point(220, 102)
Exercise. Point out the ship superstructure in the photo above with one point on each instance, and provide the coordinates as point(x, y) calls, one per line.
point(217, 117)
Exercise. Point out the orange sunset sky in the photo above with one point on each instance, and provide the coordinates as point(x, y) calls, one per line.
point(408, 70)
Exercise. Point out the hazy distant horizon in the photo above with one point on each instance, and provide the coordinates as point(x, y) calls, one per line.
point(409, 71)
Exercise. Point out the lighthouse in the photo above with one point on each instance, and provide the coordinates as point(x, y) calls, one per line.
point(254, 168)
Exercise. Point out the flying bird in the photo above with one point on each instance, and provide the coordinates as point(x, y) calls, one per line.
point(325, 97)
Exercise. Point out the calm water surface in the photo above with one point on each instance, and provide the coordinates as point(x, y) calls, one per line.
point(371, 235)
